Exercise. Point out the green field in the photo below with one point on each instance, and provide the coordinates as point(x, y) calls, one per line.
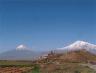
point(19, 64)
point(5, 62)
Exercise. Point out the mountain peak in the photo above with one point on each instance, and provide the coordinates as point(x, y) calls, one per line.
point(22, 47)
point(80, 45)
point(81, 42)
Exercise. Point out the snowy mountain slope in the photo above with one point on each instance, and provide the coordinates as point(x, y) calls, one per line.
point(79, 45)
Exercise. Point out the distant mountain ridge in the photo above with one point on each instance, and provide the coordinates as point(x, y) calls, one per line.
point(79, 45)
point(20, 55)
point(22, 52)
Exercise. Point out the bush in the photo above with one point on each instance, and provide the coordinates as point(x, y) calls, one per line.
point(77, 72)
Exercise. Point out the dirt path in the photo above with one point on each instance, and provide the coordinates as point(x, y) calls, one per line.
point(90, 66)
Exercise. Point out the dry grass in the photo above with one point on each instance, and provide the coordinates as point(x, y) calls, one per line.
point(66, 68)
point(14, 69)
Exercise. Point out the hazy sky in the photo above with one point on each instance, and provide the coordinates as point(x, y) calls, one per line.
point(46, 24)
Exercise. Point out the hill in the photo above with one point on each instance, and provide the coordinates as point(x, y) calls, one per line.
point(72, 56)
point(70, 62)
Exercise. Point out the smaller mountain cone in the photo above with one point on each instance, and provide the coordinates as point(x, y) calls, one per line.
point(22, 47)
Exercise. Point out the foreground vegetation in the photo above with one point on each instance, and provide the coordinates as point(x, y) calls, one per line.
point(16, 67)
point(72, 62)
point(25, 67)
point(67, 68)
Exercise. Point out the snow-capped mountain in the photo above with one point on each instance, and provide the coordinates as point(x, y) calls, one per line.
point(21, 52)
point(22, 47)
point(79, 45)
